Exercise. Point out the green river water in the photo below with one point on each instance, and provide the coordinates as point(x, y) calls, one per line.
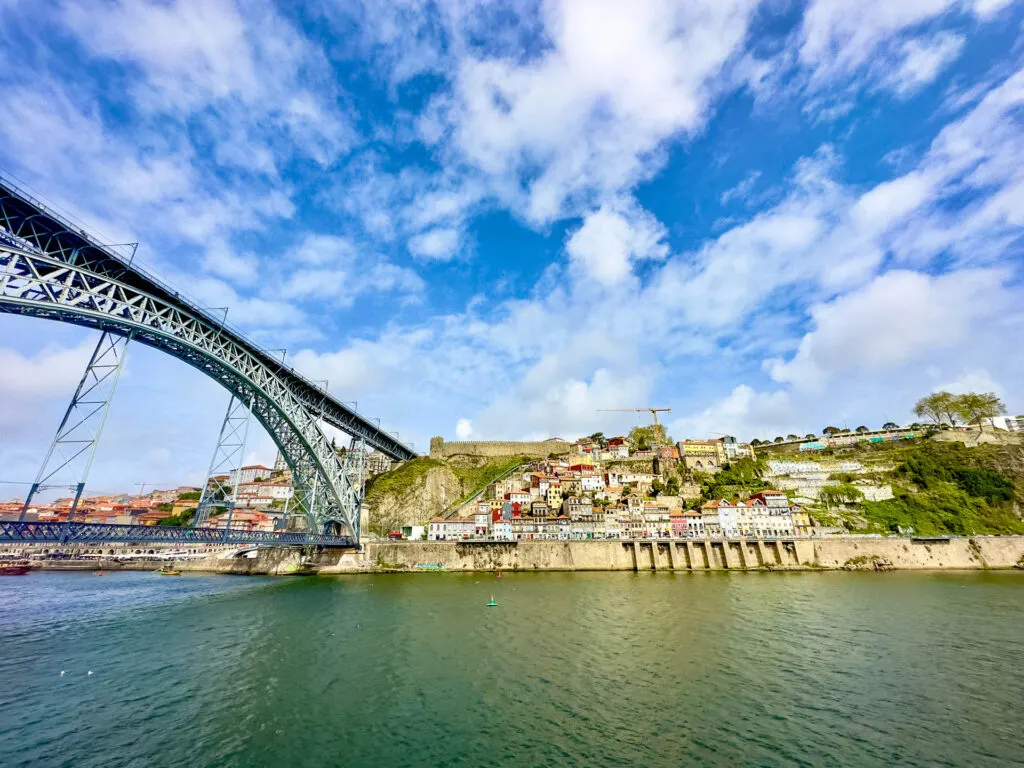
point(586, 669)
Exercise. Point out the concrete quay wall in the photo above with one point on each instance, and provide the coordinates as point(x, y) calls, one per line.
point(689, 555)
point(645, 555)
point(956, 553)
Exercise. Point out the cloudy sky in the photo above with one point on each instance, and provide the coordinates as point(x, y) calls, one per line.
point(490, 220)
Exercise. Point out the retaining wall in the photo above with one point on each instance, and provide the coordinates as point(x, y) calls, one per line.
point(695, 554)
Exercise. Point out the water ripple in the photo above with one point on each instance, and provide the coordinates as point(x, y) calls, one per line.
point(591, 669)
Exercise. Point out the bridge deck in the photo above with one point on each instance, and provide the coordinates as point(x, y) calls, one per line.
point(91, 533)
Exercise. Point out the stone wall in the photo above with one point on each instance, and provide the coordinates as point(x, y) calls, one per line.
point(687, 555)
point(611, 555)
point(958, 553)
point(439, 449)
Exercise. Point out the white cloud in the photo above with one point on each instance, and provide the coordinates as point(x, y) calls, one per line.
point(898, 318)
point(923, 60)
point(743, 413)
point(333, 268)
point(973, 380)
point(742, 190)
point(838, 37)
point(51, 371)
point(463, 429)
point(582, 120)
point(195, 55)
point(612, 238)
point(222, 260)
point(435, 245)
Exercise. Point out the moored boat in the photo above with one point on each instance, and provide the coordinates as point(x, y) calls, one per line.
point(169, 570)
point(14, 567)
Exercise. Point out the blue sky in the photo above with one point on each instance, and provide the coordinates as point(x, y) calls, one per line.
point(490, 220)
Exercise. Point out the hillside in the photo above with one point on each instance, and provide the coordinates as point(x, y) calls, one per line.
point(416, 491)
point(939, 487)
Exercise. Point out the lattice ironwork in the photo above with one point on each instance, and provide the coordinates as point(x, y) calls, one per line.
point(28, 532)
point(64, 274)
point(221, 488)
point(74, 446)
point(38, 285)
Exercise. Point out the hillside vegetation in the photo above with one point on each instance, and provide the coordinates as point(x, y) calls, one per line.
point(939, 487)
point(947, 488)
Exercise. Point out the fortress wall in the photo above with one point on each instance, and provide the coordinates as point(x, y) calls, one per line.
point(440, 449)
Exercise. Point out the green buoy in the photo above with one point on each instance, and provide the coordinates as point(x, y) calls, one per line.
point(493, 603)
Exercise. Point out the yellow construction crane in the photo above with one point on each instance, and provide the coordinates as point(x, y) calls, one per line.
point(653, 411)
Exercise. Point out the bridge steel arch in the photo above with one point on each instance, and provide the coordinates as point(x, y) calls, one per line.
point(49, 269)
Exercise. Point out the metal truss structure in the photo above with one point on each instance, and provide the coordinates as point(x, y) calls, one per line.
point(221, 489)
point(74, 445)
point(22, 532)
point(50, 268)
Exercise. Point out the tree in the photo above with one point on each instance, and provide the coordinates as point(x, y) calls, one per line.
point(792, 437)
point(656, 488)
point(672, 486)
point(780, 439)
point(972, 407)
point(599, 438)
point(810, 436)
point(939, 407)
point(645, 437)
point(755, 442)
point(862, 429)
point(831, 431)
point(890, 425)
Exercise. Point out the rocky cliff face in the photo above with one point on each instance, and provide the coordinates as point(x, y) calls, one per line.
point(426, 494)
point(424, 488)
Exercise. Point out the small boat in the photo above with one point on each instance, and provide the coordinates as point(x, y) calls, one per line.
point(493, 603)
point(169, 570)
point(14, 567)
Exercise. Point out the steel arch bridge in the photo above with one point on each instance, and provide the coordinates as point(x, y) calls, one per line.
point(51, 269)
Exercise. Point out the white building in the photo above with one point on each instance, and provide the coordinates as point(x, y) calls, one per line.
point(591, 483)
point(453, 529)
point(523, 497)
point(766, 514)
point(250, 473)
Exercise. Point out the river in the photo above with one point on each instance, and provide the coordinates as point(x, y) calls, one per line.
point(583, 669)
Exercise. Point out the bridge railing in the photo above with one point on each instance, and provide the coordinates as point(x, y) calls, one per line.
point(31, 532)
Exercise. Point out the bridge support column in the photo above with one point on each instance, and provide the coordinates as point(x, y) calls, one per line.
point(73, 447)
point(221, 486)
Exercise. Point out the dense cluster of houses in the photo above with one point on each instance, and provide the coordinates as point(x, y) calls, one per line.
point(261, 501)
point(573, 498)
point(262, 492)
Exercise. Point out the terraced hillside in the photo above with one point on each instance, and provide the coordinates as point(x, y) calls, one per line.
point(939, 487)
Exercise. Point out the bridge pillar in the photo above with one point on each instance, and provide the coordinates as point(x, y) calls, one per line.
point(73, 447)
point(221, 486)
